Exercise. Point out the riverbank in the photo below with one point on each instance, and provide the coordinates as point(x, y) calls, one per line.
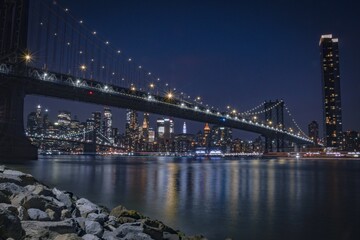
point(31, 210)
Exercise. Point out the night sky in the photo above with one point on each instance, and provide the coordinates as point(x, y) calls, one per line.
point(236, 53)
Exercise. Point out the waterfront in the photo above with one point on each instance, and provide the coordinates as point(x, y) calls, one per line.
point(240, 198)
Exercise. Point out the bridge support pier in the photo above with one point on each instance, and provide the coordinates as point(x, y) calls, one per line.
point(14, 145)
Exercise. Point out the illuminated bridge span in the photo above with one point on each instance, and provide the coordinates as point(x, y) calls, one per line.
point(44, 50)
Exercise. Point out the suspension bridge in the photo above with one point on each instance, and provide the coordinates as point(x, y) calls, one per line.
point(45, 50)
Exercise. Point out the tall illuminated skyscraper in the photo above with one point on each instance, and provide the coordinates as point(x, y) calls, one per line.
point(131, 130)
point(330, 71)
point(107, 123)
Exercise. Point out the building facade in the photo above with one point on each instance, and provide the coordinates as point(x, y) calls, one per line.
point(331, 97)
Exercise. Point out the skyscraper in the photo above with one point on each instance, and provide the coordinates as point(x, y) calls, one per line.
point(329, 54)
point(131, 130)
point(107, 126)
point(314, 131)
point(97, 121)
point(165, 133)
point(184, 128)
point(144, 140)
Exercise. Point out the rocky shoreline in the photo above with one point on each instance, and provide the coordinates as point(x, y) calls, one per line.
point(32, 210)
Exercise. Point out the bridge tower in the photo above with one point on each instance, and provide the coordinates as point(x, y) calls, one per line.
point(274, 117)
point(13, 43)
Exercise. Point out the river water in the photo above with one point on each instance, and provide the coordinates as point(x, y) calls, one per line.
point(220, 198)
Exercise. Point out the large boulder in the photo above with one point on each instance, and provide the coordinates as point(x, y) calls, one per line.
point(116, 211)
point(63, 197)
point(10, 225)
point(95, 228)
point(85, 207)
point(122, 212)
point(36, 214)
point(25, 179)
point(157, 229)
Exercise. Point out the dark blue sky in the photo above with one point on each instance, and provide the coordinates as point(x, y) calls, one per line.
point(236, 53)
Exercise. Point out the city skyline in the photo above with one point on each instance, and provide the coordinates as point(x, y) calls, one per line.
point(200, 63)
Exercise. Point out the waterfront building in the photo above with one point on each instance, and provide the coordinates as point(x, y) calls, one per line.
point(221, 137)
point(206, 137)
point(351, 141)
point(31, 123)
point(131, 131)
point(165, 134)
point(330, 71)
point(39, 119)
point(89, 130)
point(313, 131)
point(46, 121)
point(183, 143)
point(97, 122)
point(107, 124)
point(144, 138)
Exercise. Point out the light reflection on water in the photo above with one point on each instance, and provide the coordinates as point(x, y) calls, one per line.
point(241, 198)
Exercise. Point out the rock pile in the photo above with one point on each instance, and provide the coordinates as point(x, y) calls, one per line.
point(31, 210)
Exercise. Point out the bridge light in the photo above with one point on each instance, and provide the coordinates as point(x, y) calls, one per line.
point(169, 95)
point(83, 67)
point(152, 85)
point(91, 92)
point(27, 57)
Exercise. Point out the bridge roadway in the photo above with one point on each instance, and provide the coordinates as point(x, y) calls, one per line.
point(38, 82)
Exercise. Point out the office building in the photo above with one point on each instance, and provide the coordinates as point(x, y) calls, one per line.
point(330, 72)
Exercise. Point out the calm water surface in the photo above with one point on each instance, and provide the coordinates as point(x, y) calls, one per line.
point(240, 198)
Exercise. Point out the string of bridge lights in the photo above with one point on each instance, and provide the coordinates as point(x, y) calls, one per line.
point(263, 111)
point(293, 120)
point(251, 110)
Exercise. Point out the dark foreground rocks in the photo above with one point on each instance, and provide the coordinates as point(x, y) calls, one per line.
point(31, 210)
